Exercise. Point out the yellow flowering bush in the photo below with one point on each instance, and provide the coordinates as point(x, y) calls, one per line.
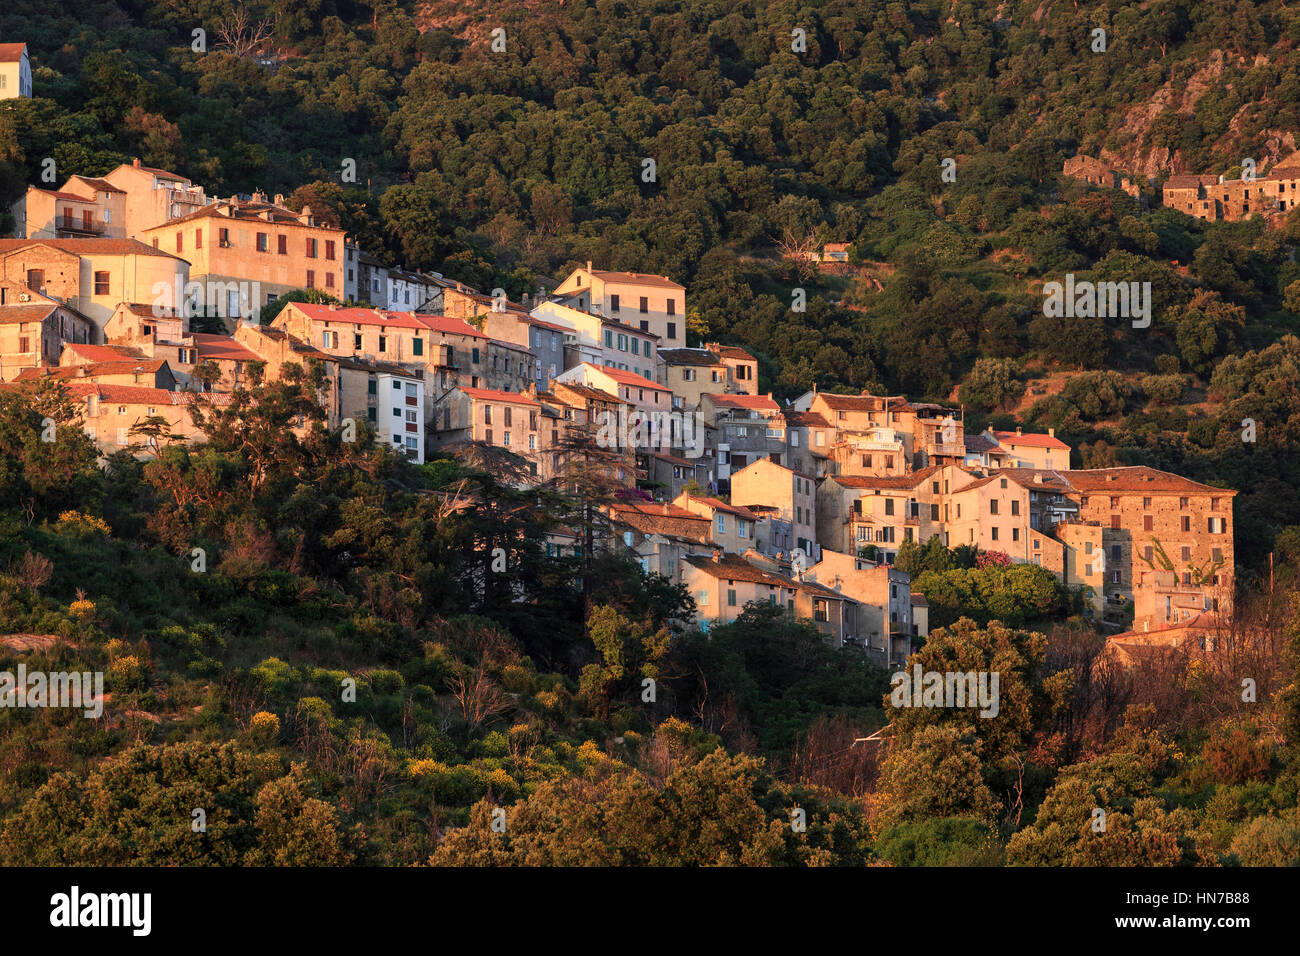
point(77, 521)
point(265, 725)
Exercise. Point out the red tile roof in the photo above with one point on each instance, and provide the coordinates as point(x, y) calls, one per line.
point(755, 402)
point(92, 369)
point(354, 316)
point(450, 326)
point(494, 395)
point(1138, 478)
point(626, 378)
point(90, 247)
point(140, 395)
point(11, 52)
point(223, 348)
point(1030, 440)
point(637, 278)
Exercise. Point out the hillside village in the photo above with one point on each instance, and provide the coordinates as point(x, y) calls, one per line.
point(723, 489)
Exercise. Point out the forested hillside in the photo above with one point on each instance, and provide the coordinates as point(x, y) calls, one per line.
point(507, 168)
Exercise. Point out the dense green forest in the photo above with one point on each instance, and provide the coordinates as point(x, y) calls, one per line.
point(326, 563)
point(346, 671)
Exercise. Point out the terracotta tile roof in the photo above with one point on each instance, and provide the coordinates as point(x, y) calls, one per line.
point(689, 357)
point(104, 353)
point(734, 352)
point(864, 403)
point(896, 481)
point(354, 316)
point(717, 505)
point(806, 419)
point(918, 600)
point(103, 185)
point(1052, 480)
point(223, 348)
point(90, 247)
point(160, 173)
point(626, 378)
point(69, 197)
point(494, 395)
point(1139, 478)
point(666, 519)
point(755, 402)
point(982, 444)
point(449, 326)
point(92, 370)
point(588, 392)
point(11, 52)
point(732, 567)
point(243, 211)
point(1030, 440)
point(15, 314)
point(637, 278)
point(142, 395)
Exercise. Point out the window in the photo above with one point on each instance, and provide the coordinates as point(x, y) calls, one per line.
point(223, 237)
point(613, 303)
point(672, 307)
point(702, 598)
point(198, 238)
point(993, 506)
point(1116, 552)
point(1147, 522)
point(263, 242)
point(889, 506)
point(311, 278)
point(1015, 506)
point(329, 280)
point(509, 417)
point(383, 343)
point(1187, 522)
point(474, 356)
point(1015, 534)
point(1146, 554)
point(487, 436)
point(329, 248)
point(995, 534)
point(24, 344)
point(731, 597)
point(417, 346)
point(645, 304)
point(101, 283)
point(357, 342)
point(311, 248)
point(180, 242)
point(281, 245)
point(934, 512)
point(1182, 504)
point(487, 414)
point(1146, 503)
point(721, 522)
point(672, 330)
point(1187, 554)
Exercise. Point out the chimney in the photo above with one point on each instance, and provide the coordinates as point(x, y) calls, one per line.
point(588, 265)
point(279, 199)
point(1051, 432)
point(717, 555)
point(136, 162)
point(1017, 430)
point(304, 217)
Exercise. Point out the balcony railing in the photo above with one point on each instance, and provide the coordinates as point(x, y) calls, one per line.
point(93, 227)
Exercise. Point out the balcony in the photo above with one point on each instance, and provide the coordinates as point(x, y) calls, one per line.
point(946, 450)
point(67, 228)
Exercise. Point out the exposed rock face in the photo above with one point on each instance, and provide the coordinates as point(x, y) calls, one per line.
point(1139, 156)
